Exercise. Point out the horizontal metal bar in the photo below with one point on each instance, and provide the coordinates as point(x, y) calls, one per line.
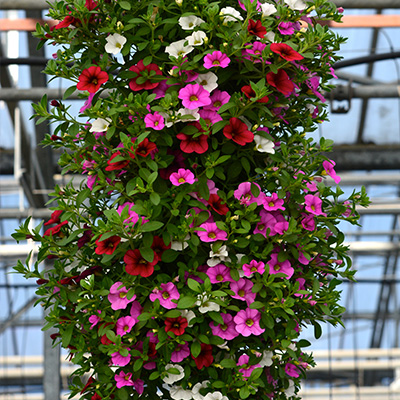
point(15, 213)
point(372, 247)
point(23, 5)
point(374, 4)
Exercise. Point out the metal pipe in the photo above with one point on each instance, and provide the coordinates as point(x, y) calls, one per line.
point(23, 5)
point(375, 4)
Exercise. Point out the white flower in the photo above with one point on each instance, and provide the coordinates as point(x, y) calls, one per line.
point(196, 390)
point(194, 114)
point(215, 396)
point(218, 257)
point(208, 81)
point(190, 22)
point(266, 360)
point(230, 14)
point(178, 49)
point(172, 378)
point(268, 9)
point(179, 246)
point(178, 393)
point(196, 38)
point(189, 315)
point(296, 4)
point(115, 43)
point(289, 392)
point(224, 346)
point(99, 125)
point(270, 36)
point(205, 305)
point(264, 145)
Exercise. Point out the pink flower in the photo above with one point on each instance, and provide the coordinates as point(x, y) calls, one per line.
point(219, 273)
point(247, 369)
point(248, 322)
point(245, 196)
point(211, 233)
point(181, 177)
point(210, 117)
point(308, 222)
point(155, 121)
point(88, 103)
point(286, 28)
point(226, 330)
point(254, 54)
point(123, 379)
point(292, 370)
point(276, 267)
point(194, 96)
point(181, 352)
point(242, 289)
point(329, 169)
point(118, 359)
point(136, 310)
point(218, 99)
point(253, 266)
point(94, 319)
point(124, 325)
point(272, 220)
point(216, 59)
point(273, 203)
point(165, 295)
point(117, 296)
point(313, 204)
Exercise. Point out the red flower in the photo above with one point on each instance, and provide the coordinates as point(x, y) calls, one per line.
point(194, 143)
point(88, 383)
point(256, 28)
point(137, 265)
point(55, 217)
point(116, 165)
point(66, 22)
point(91, 79)
point(249, 93)
point(216, 204)
point(176, 325)
point(145, 148)
point(281, 82)
point(285, 51)
point(55, 229)
point(91, 4)
point(159, 246)
point(148, 84)
point(238, 132)
point(205, 358)
point(107, 246)
point(97, 397)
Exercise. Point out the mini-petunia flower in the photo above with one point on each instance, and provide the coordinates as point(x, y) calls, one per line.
point(226, 330)
point(181, 177)
point(194, 96)
point(238, 131)
point(264, 145)
point(120, 360)
point(277, 267)
point(313, 204)
point(179, 393)
point(242, 289)
point(135, 264)
point(178, 49)
point(100, 125)
point(329, 169)
point(123, 379)
point(246, 370)
point(205, 358)
point(176, 325)
point(91, 79)
point(205, 305)
point(124, 325)
point(256, 28)
point(208, 81)
point(144, 79)
point(196, 38)
point(117, 296)
point(171, 378)
point(229, 14)
point(286, 28)
point(219, 256)
point(211, 232)
point(192, 143)
point(216, 59)
point(248, 322)
point(219, 273)
point(267, 9)
point(165, 294)
point(108, 245)
point(252, 267)
point(218, 99)
point(155, 121)
point(273, 203)
point(285, 51)
point(298, 5)
point(245, 196)
point(115, 43)
point(189, 22)
point(196, 390)
point(181, 352)
point(280, 81)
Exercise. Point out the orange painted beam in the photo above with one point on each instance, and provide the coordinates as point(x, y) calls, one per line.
point(367, 21)
point(23, 24)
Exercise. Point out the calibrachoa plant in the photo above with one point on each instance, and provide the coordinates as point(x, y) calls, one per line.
point(204, 235)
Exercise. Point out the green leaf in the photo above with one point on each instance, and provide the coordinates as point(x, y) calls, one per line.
point(256, 305)
point(244, 392)
point(125, 5)
point(83, 195)
point(67, 335)
point(195, 349)
point(147, 253)
point(228, 363)
point(219, 384)
point(256, 373)
point(169, 256)
point(194, 285)
point(317, 330)
point(187, 302)
point(155, 198)
point(151, 226)
point(69, 91)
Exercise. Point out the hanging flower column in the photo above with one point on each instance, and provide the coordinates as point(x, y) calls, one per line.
point(205, 235)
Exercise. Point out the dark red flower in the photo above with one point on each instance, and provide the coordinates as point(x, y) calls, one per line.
point(97, 397)
point(205, 358)
point(85, 238)
point(91, 79)
point(176, 325)
point(194, 143)
point(144, 72)
point(256, 28)
point(88, 383)
point(285, 51)
point(116, 165)
point(55, 230)
point(159, 246)
point(66, 22)
point(215, 203)
point(238, 132)
point(281, 82)
point(107, 246)
point(55, 217)
point(87, 272)
point(91, 4)
point(137, 265)
point(42, 281)
point(250, 93)
point(145, 148)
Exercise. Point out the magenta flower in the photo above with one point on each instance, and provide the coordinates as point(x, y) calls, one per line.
point(88, 103)
point(242, 289)
point(155, 121)
point(124, 325)
point(181, 177)
point(123, 379)
point(272, 220)
point(248, 322)
point(276, 267)
point(181, 352)
point(133, 217)
point(94, 319)
point(136, 310)
point(226, 330)
point(218, 99)
point(117, 296)
point(246, 370)
point(292, 370)
point(329, 169)
point(273, 203)
point(211, 232)
point(194, 96)
point(254, 54)
point(210, 117)
point(244, 195)
point(308, 222)
point(253, 266)
point(216, 59)
point(313, 204)
point(165, 295)
point(118, 359)
point(219, 273)
point(286, 28)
